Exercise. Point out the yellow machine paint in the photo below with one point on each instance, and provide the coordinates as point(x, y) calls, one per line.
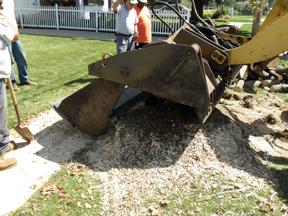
point(279, 10)
point(266, 44)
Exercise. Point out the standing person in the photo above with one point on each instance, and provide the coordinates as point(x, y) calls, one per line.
point(126, 28)
point(8, 33)
point(144, 24)
point(17, 50)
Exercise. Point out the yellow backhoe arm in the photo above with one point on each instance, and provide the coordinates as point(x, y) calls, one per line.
point(280, 9)
point(266, 44)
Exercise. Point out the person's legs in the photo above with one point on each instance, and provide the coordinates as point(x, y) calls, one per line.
point(121, 44)
point(131, 44)
point(4, 132)
point(139, 45)
point(13, 79)
point(20, 58)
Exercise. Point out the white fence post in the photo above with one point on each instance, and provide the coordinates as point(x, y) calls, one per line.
point(57, 17)
point(96, 17)
point(21, 19)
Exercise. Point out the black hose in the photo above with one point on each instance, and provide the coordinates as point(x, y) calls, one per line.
point(197, 15)
point(188, 23)
point(179, 15)
point(161, 3)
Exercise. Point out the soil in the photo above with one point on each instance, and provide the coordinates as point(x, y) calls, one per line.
point(244, 133)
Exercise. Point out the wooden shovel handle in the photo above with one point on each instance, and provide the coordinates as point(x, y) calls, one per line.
point(14, 99)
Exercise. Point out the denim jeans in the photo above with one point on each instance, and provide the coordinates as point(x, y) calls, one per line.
point(20, 58)
point(4, 132)
point(124, 43)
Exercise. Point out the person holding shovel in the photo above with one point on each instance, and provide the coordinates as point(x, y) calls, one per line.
point(8, 33)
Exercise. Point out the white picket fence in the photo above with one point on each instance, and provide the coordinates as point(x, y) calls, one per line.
point(86, 18)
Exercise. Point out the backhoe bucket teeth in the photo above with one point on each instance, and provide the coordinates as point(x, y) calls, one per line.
point(89, 109)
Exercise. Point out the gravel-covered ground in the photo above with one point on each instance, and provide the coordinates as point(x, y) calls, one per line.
point(151, 145)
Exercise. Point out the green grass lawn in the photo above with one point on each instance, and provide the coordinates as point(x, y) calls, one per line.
point(237, 19)
point(59, 66)
point(61, 194)
point(241, 19)
point(245, 30)
point(248, 18)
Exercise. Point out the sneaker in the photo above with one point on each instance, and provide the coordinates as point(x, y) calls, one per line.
point(16, 88)
point(7, 163)
point(30, 83)
point(12, 146)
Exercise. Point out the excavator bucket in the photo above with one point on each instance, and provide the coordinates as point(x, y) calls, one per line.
point(193, 67)
point(90, 108)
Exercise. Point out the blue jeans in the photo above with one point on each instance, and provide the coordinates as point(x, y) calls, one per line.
point(4, 132)
point(125, 43)
point(20, 58)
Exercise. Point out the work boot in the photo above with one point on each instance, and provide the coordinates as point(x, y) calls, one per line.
point(12, 146)
point(7, 163)
point(16, 88)
point(30, 83)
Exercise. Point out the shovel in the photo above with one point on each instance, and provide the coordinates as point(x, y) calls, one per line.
point(25, 133)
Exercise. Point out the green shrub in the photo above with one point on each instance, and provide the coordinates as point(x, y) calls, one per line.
point(216, 14)
point(207, 15)
point(218, 11)
point(53, 2)
point(236, 12)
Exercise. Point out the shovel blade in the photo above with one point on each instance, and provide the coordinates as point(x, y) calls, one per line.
point(25, 133)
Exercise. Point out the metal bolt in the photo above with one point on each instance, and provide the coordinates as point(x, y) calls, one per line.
point(215, 54)
point(123, 73)
point(189, 53)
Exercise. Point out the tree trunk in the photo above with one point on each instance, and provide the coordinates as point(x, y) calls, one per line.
point(257, 18)
point(273, 73)
point(285, 76)
point(280, 70)
point(252, 83)
point(257, 70)
point(239, 86)
point(270, 82)
point(243, 72)
point(279, 88)
point(199, 8)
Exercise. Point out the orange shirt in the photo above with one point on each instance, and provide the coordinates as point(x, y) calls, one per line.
point(144, 25)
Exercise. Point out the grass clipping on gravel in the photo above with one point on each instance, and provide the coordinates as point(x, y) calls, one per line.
point(74, 190)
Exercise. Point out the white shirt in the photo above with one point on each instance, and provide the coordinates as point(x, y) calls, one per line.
point(125, 20)
point(8, 6)
point(6, 36)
